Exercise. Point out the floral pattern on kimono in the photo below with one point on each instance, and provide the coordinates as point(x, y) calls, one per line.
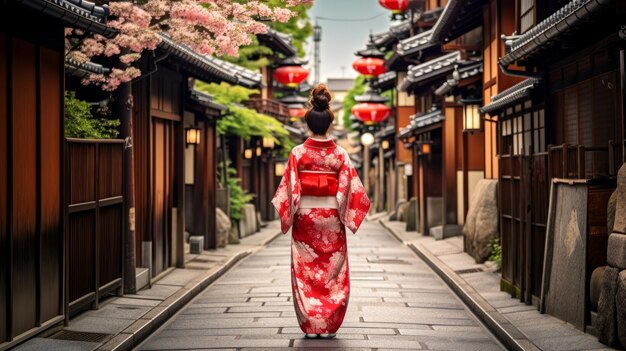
point(320, 275)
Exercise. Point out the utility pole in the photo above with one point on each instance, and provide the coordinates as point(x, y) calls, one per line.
point(317, 37)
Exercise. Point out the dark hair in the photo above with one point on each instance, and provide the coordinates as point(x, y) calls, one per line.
point(319, 116)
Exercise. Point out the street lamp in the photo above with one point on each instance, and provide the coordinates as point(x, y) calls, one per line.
point(367, 139)
point(471, 115)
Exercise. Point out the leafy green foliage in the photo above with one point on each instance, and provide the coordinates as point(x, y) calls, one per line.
point(243, 121)
point(496, 252)
point(80, 121)
point(238, 196)
point(349, 101)
point(254, 56)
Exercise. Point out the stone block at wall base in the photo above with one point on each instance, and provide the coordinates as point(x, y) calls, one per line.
point(411, 216)
point(620, 308)
point(595, 286)
point(607, 326)
point(620, 206)
point(616, 251)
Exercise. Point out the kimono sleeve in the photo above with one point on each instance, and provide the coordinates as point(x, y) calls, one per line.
point(287, 197)
point(353, 203)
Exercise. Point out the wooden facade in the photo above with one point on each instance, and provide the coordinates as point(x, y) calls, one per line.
point(32, 291)
point(159, 163)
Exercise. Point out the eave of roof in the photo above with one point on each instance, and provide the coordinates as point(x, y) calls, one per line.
point(415, 44)
point(79, 14)
point(431, 69)
point(515, 94)
point(212, 68)
point(83, 69)
point(421, 121)
point(470, 70)
point(458, 18)
point(562, 22)
point(385, 81)
point(206, 100)
point(277, 41)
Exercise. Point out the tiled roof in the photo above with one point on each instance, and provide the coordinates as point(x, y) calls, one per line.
point(212, 68)
point(469, 70)
point(385, 81)
point(415, 43)
point(386, 132)
point(206, 100)
point(517, 93)
point(277, 41)
point(565, 20)
point(421, 121)
point(439, 66)
point(75, 13)
point(82, 69)
point(390, 37)
point(458, 17)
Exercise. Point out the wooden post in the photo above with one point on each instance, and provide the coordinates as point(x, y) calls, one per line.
point(122, 108)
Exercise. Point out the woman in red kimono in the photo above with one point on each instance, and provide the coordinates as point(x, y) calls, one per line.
point(320, 194)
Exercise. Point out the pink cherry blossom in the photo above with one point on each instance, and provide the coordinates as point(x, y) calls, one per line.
point(210, 27)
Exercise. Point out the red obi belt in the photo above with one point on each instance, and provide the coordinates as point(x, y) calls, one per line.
point(318, 184)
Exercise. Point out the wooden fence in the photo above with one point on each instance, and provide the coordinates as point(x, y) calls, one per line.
point(95, 220)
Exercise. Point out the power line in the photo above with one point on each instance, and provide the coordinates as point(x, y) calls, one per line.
point(336, 19)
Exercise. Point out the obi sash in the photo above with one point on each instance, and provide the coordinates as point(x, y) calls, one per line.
point(319, 189)
point(318, 183)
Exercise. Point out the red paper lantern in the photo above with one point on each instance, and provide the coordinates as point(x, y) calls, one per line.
point(371, 113)
point(369, 66)
point(297, 112)
point(395, 5)
point(290, 76)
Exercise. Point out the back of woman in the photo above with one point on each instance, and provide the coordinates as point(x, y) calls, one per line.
point(320, 194)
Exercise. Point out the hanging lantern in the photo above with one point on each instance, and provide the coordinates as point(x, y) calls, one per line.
point(395, 5)
point(290, 76)
point(371, 113)
point(297, 112)
point(369, 66)
point(471, 115)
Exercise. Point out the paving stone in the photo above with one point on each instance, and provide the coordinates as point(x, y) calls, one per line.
point(392, 290)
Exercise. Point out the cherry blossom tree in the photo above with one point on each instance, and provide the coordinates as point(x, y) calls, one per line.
point(210, 27)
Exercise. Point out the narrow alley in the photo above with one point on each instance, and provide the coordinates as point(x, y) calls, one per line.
point(396, 302)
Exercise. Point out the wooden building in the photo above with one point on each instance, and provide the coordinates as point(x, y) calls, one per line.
point(176, 181)
point(565, 120)
point(33, 243)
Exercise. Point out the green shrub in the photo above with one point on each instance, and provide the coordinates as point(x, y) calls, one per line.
point(80, 121)
point(238, 196)
point(496, 252)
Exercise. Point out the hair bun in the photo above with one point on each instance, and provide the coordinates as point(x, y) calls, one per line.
point(320, 97)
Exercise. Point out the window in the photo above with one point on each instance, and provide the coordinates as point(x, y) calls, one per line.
point(526, 15)
point(522, 129)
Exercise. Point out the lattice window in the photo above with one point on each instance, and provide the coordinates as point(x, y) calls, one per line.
point(526, 15)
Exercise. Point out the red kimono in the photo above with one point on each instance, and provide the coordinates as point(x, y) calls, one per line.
point(319, 194)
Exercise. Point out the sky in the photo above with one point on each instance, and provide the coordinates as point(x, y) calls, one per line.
point(340, 39)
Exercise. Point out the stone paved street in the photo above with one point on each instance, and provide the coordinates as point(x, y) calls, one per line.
point(396, 302)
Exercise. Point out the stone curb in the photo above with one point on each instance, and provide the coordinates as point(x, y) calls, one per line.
point(139, 331)
point(502, 328)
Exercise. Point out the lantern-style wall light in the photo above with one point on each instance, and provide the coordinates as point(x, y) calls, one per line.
point(247, 154)
point(192, 136)
point(471, 115)
point(425, 148)
point(279, 169)
point(268, 142)
point(259, 151)
point(385, 144)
